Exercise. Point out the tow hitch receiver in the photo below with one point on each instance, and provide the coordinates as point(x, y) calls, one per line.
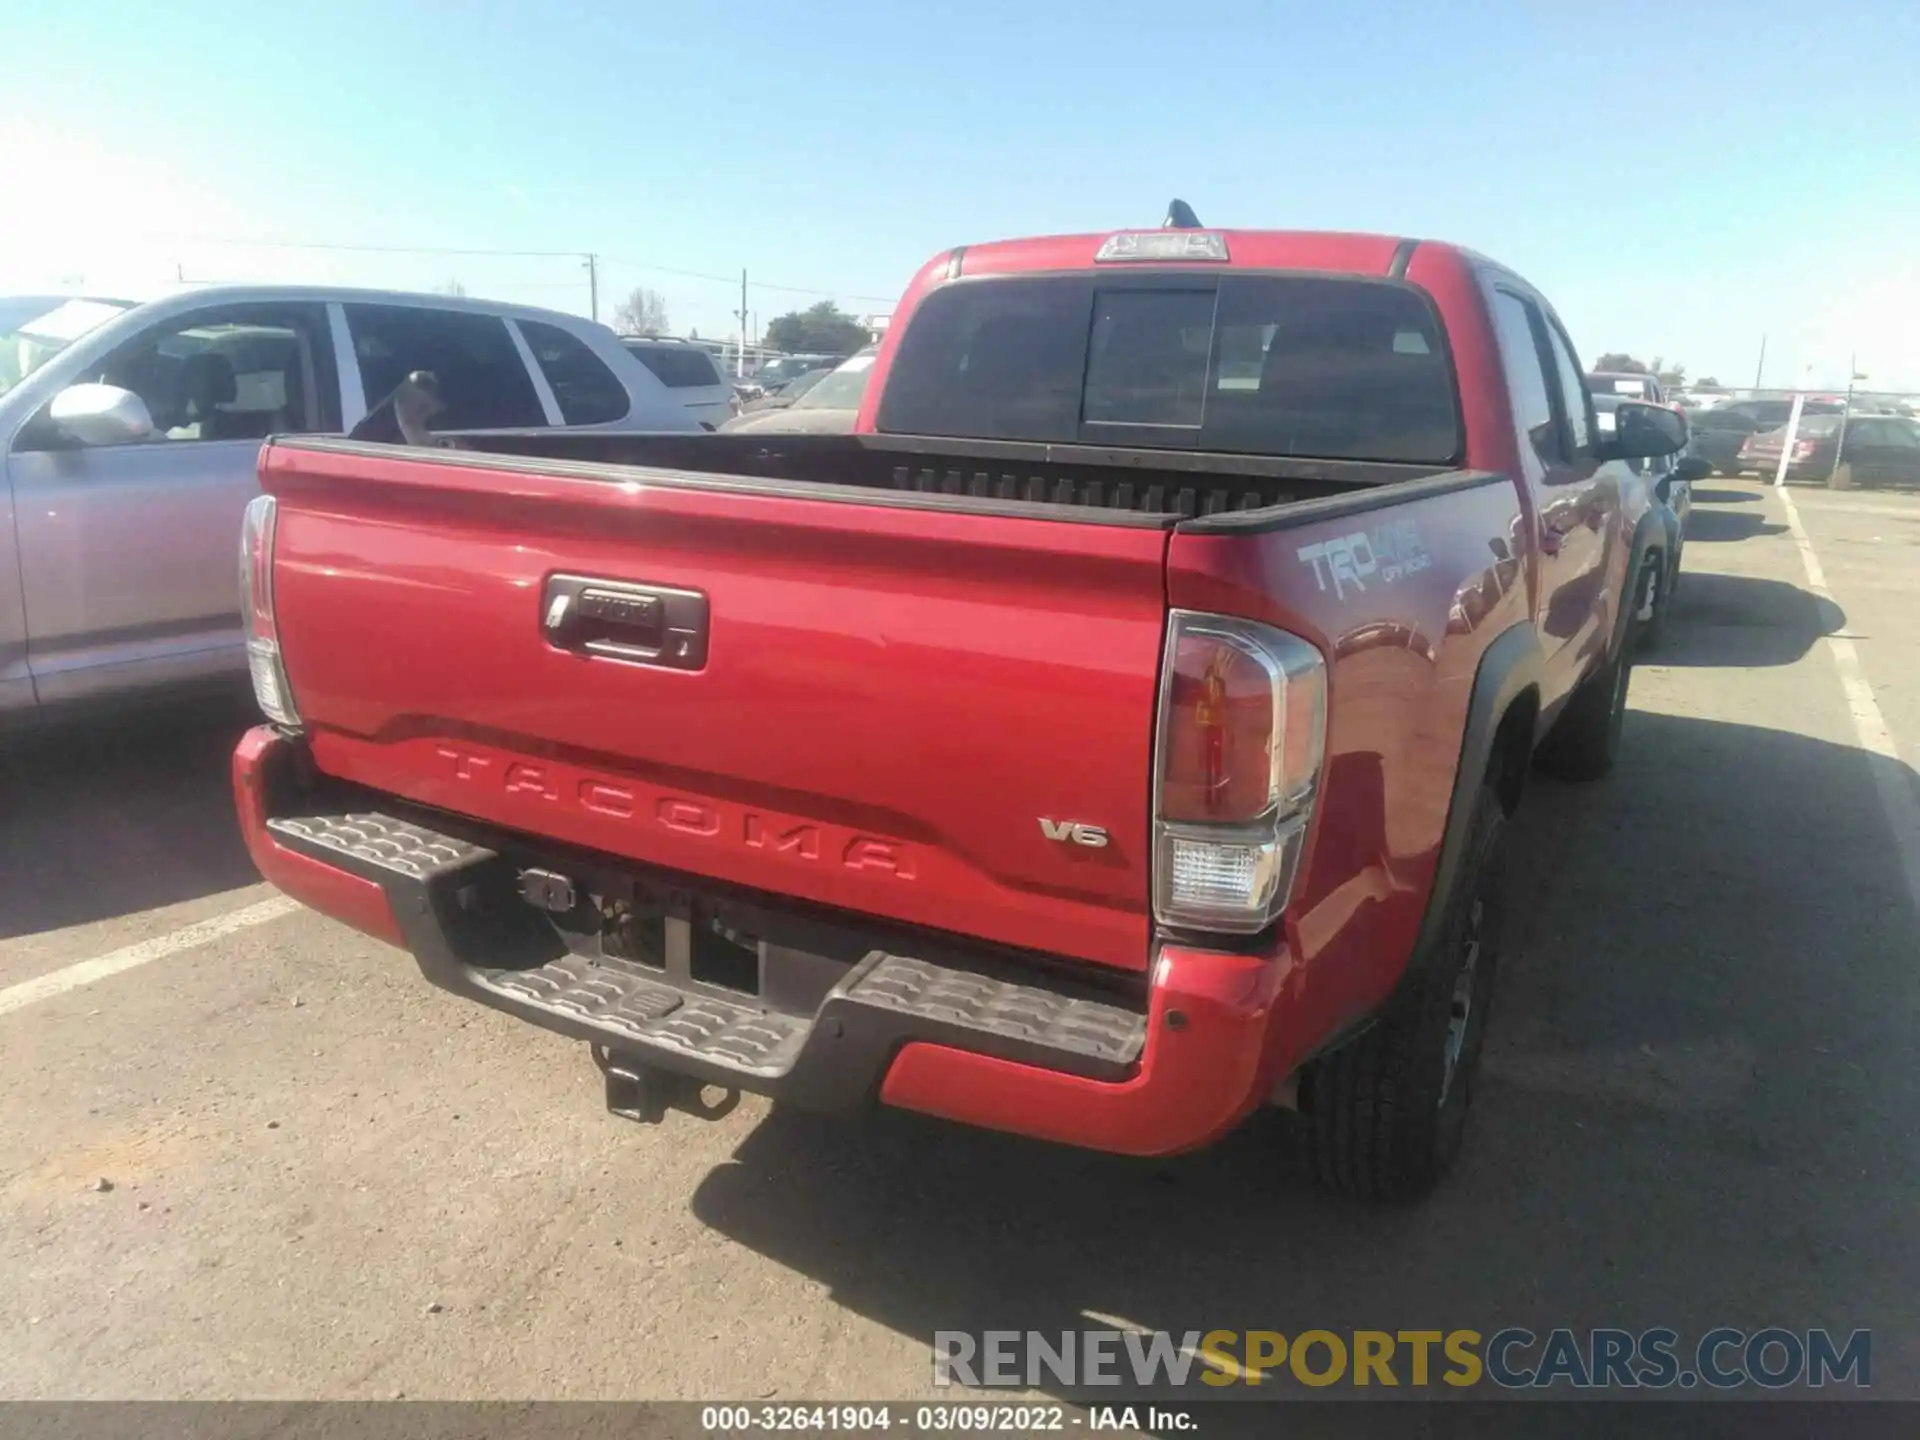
point(644, 1093)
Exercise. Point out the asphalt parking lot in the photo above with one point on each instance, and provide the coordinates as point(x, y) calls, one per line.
point(329, 1180)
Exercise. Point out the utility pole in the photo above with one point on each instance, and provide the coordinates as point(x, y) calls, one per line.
point(1760, 369)
point(592, 262)
point(741, 365)
point(1846, 415)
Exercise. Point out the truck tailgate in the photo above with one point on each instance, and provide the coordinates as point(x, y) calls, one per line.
point(893, 696)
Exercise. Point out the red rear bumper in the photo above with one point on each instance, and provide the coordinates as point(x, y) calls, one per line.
point(332, 891)
point(1199, 1074)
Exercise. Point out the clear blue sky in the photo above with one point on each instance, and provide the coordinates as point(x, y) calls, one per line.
point(1680, 178)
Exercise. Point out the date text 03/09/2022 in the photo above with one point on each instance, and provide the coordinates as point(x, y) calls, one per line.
point(938, 1418)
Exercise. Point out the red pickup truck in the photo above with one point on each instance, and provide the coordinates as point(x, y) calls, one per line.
point(1111, 737)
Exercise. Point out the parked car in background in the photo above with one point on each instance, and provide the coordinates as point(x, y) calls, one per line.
point(1719, 433)
point(828, 402)
point(784, 369)
point(131, 436)
point(690, 372)
point(1671, 478)
point(1627, 386)
point(1701, 401)
point(1873, 450)
point(786, 395)
point(1772, 413)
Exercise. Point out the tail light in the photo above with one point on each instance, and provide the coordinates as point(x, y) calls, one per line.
point(270, 688)
point(1242, 735)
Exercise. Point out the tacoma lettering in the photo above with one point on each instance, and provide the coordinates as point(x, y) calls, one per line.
point(802, 839)
point(865, 853)
point(465, 766)
point(530, 780)
point(605, 799)
point(687, 817)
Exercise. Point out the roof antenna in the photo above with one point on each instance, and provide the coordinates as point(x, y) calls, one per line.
point(1180, 216)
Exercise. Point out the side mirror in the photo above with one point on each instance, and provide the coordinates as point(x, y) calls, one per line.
point(1644, 432)
point(1692, 469)
point(101, 415)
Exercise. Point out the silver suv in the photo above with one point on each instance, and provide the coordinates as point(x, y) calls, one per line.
point(690, 372)
point(130, 435)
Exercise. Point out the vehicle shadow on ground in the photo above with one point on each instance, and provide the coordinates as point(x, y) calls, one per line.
point(1695, 1111)
point(1741, 621)
point(1902, 488)
point(105, 815)
point(1722, 497)
point(1717, 525)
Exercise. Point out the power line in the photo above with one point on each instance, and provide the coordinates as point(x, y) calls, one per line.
point(757, 284)
point(571, 286)
point(453, 250)
point(374, 249)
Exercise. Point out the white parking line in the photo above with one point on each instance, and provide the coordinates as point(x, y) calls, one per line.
point(127, 957)
point(1891, 778)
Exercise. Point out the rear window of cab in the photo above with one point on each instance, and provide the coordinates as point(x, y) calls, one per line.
point(1314, 366)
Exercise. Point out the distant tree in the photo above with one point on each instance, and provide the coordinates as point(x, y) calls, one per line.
point(1671, 377)
point(1615, 363)
point(1707, 382)
point(643, 312)
point(822, 329)
point(453, 287)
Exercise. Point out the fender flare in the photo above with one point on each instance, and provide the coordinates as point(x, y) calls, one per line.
point(1657, 531)
point(1510, 665)
point(1508, 668)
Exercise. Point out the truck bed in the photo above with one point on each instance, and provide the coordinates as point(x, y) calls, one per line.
point(1171, 484)
point(860, 672)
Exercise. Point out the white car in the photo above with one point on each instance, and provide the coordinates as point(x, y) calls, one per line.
point(130, 435)
point(689, 372)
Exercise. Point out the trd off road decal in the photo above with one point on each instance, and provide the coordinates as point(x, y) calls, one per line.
point(1387, 552)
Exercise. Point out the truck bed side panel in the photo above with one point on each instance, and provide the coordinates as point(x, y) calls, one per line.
point(1403, 599)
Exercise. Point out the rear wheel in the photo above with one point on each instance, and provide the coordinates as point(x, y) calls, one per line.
point(1732, 471)
point(1387, 1112)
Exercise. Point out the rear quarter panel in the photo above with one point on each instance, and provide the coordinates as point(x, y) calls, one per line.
point(1403, 642)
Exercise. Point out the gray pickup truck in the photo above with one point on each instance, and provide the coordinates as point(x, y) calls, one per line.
point(130, 435)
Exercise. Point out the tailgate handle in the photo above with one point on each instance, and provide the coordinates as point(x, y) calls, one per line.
point(657, 625)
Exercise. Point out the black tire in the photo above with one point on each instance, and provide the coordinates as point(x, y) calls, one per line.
point(1666, 579)
point(1585, 739)
point(1732, 471)
point(1386, 1114)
